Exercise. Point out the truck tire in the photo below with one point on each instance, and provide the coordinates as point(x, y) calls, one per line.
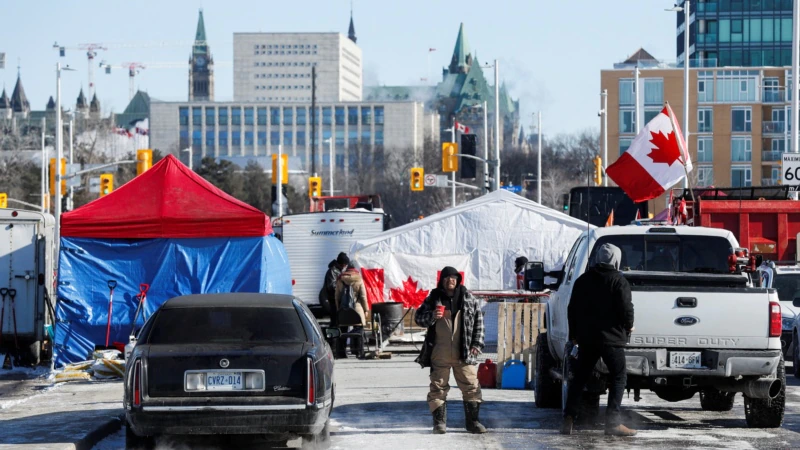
point(546, 390)
point(714, 400)
point(795, 357)
point(767, 413)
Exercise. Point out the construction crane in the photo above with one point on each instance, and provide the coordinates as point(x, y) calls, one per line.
point(91, 52)
point(135, 67)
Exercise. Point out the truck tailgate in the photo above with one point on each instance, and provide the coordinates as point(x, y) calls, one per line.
point(702, 318)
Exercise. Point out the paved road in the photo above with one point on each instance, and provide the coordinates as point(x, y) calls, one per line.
point(380, 404)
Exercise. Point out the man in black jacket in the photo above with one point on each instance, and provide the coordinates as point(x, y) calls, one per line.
point(328, 294)
point(600, 318)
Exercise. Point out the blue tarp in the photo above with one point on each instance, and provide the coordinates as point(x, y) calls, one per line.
point(172, 267)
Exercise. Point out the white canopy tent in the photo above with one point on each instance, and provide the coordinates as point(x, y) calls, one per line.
point(480, 238)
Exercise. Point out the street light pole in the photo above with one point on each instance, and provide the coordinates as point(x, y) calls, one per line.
point(190, 156)
point(44, 166)
point(605, 135)
point(71, 189)
point(279, 187)
point(497, 125)
point(453, 174)
point(539, 163)
point(330, 166)
point(686, 22)
point(485, 147)
point(59, 155)
point(795, 72)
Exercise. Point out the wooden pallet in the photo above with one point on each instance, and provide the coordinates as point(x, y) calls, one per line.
point(518, 327)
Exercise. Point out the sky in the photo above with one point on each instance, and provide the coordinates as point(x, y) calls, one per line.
point(550, 52)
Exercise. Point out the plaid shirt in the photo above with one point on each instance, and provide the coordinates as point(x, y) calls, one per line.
point(472, 336)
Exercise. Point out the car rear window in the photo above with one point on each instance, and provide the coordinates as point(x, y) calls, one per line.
point(788, 286)
point(225, 325)
point(699, 254)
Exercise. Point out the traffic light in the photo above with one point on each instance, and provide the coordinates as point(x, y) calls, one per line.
point(315, 187)
point(598, 170)
point(449, 157)
point(417, 179)
point(3, 200)
point(144, 161)
point(106, 184)
point(53, 176)
point(565, 199)
point(284, 168)
point(469, 146)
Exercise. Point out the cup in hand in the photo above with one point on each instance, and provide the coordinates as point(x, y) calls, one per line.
point(439, 311)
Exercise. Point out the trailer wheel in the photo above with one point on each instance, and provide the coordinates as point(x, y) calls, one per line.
point(546, 390)
point(767, 413)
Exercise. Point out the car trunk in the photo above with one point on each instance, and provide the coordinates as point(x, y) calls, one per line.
point(284, 366)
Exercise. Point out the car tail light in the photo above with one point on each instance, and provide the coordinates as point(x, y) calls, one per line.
point(137, 383)
point(775, 322)
point(311, 396)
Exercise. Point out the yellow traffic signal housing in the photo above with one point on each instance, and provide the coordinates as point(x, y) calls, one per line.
point(144, 161)
point(53, 176)
point(315, 187)
point(106, 184)
point(449, 157)
point(284, 168)
point(417, 179)
point(598, 170)
point(3, 200)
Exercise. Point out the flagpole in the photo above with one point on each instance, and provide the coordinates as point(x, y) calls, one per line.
point(682, 149)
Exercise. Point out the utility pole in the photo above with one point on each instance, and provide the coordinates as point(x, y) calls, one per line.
point(795, 73)
point(71, 189)
point(485, 147)
point(497, 125)
point(44, 166)
point(453, 173)
point(637, 126)
point(59, 155)
point(539, 159)
point(686, 22)
point(605, 135)
point(279, 187)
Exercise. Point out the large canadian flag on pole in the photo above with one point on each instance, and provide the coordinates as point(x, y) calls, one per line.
point(655, 161)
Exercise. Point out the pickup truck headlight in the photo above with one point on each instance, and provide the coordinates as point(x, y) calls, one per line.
point(787, 323)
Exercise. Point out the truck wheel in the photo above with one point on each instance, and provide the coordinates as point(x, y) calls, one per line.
point(546, 390)
point(767, 413)
point(795, 357)
point(714, 400)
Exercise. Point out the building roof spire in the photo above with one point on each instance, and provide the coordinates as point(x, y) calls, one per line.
point(461, 55)
point(81, 103)
point(4, 103)
point(351, 32)
point(19, 101)
point(200, 43)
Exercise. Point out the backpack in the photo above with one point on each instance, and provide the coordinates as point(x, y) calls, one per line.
point(347, 301)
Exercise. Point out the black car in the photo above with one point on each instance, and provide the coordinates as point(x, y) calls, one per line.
point(230, 364)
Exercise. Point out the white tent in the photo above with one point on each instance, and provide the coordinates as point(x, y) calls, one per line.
point(480, 238)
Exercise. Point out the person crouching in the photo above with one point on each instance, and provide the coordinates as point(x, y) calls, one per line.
point(453, 342)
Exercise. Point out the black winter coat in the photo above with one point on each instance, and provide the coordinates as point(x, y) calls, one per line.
point(600, 309)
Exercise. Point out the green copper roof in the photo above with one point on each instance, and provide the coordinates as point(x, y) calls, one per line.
point(201, 28)
point(460, 61)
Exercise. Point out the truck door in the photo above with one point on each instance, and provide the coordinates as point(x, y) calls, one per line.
point(558, 327)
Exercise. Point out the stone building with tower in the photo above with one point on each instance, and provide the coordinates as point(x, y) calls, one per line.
point(201, 66)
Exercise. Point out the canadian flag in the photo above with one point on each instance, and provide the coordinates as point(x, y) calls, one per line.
point(462, 128)
point(655, 161)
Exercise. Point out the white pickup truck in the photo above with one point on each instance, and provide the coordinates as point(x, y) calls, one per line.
point(698, 327)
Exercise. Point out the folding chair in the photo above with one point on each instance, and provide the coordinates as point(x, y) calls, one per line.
point(350, 318)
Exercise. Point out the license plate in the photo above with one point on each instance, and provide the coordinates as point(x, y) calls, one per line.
point(224, 381)
point(685, 360)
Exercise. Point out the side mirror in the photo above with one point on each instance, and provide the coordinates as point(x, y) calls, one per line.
point(331, 333)
point(534, 276)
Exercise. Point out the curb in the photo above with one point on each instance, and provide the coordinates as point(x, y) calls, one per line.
point(104, 430)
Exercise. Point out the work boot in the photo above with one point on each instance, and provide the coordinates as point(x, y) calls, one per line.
point(440, 419)
point(566, 425)
point(620, 430)
point(471, 412)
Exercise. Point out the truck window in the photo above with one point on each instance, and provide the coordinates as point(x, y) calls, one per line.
point(788, 286)
point(701, 254)
point(573, 257)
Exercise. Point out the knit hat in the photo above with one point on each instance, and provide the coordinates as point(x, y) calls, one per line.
point(342, 259)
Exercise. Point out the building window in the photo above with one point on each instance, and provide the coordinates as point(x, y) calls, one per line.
point(248, 116)
point(378, 118)
point(366, 115)
point(352, 115)
point(223, 116)
point(236, 138)
point(326, 116)
point(301, 118)
point(736, 85)
point(197, 116)
point(339, 138)
point(236, 116)
point(741, 149)
point(248, 138)
point(197, 138)
point(275, 138)
point(705, 90)
point(778, 145)
point(183, 114)
point(287, 138)
point(301, 137)
point(262, 138)
point(211, 116)
point(339, 115)
point(650, 115)
point(275, 116)
point(705, 120)
point(653, 92)
point(366, 137)
point(624, 145)
point(705, 149)
point(288, 116)
point(223, 138)
point(210, 139)
point(705, 176)
point(352, 137)
point(262, 116)
point(378, 136)
point(741, 120)
point(741, 176)
point(627, 121)
point(626, 93)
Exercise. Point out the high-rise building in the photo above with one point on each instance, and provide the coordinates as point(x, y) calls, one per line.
point(201, 66)
point(276, 67)
point(737, 33)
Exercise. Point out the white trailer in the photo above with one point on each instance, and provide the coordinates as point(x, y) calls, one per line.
point(27, 268)
point(312, 240)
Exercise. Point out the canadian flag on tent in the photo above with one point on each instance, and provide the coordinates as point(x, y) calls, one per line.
point(655, 161)
point(462, 128)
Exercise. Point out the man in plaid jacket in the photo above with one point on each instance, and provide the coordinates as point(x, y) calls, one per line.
point(453, 342)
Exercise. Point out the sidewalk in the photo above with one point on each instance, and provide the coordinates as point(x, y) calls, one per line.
point(73, 415)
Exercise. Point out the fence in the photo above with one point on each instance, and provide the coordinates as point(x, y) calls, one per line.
point(518, 327)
